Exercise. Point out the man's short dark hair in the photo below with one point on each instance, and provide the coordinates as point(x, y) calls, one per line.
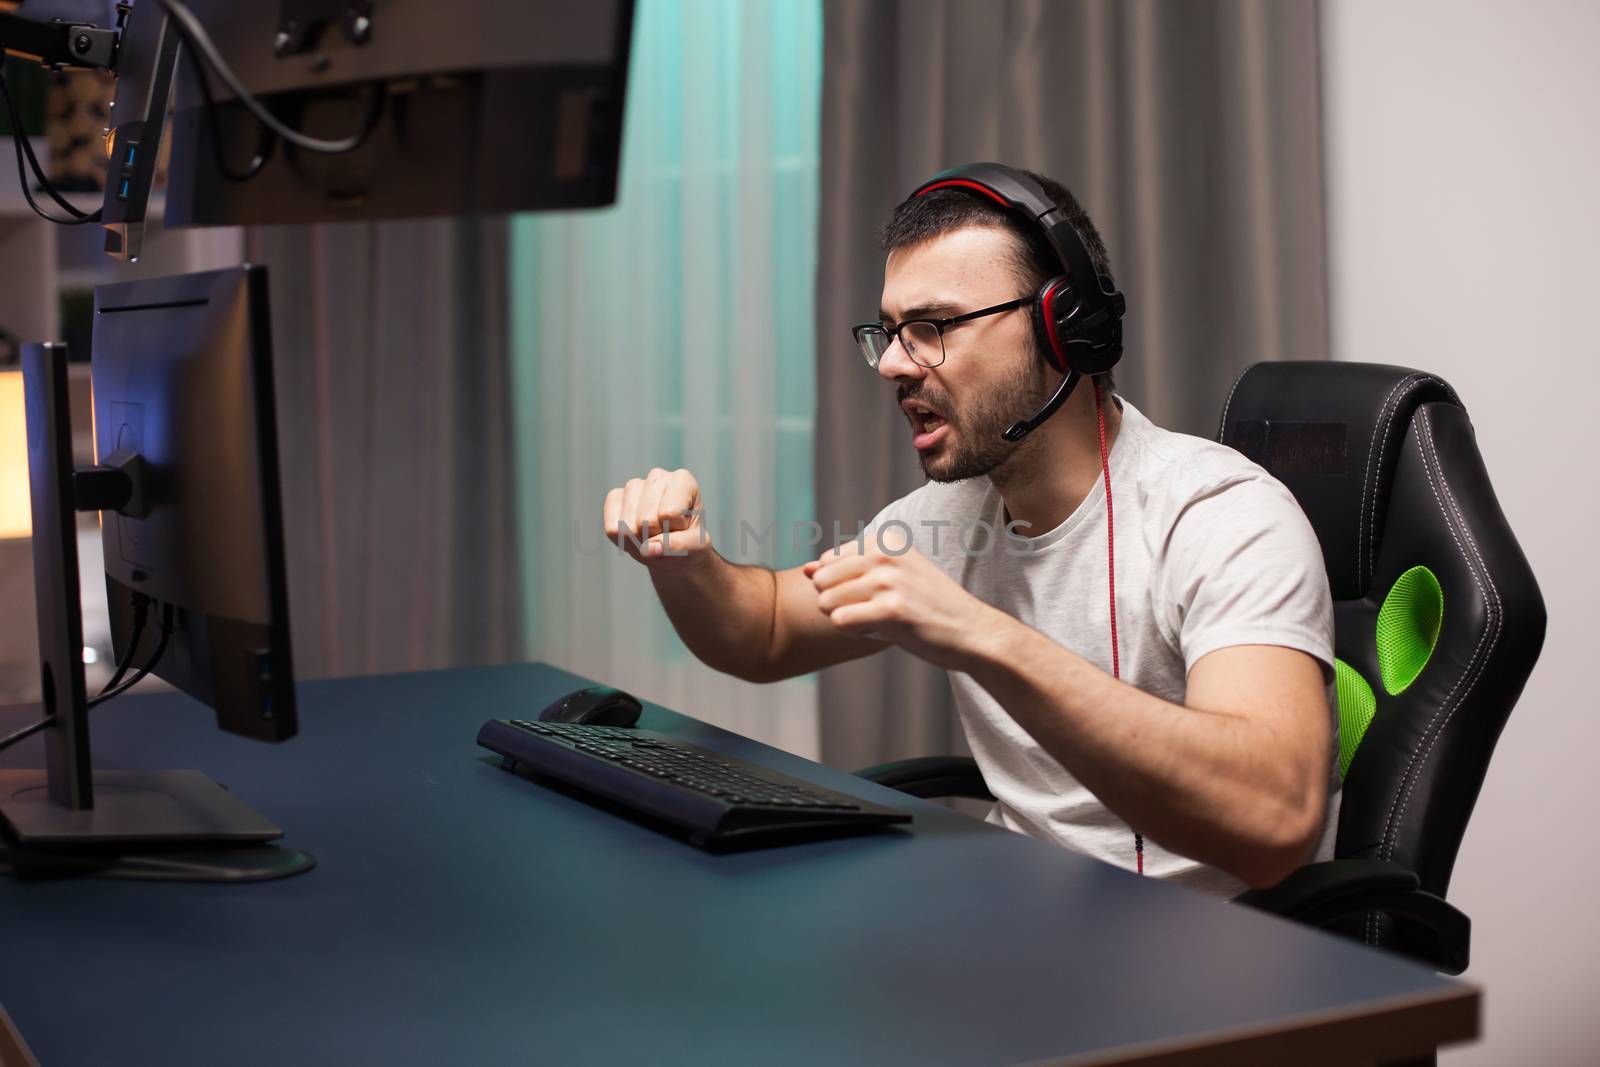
point(922, 218)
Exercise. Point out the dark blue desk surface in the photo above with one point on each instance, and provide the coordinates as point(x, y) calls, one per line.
point(463, 915)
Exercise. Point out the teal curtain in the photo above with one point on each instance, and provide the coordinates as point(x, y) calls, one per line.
point(676, 329)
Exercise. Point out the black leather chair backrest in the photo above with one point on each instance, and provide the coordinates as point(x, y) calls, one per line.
point(1384, 463)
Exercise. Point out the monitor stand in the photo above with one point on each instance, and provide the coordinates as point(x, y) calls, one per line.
point(68, 818)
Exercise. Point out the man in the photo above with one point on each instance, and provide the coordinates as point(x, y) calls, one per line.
point(1197, 716)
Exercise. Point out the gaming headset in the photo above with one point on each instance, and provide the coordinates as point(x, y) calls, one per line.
point(1078, 321)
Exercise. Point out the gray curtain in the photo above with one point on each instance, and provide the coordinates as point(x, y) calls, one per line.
point(394, 421)
point(1191, 132)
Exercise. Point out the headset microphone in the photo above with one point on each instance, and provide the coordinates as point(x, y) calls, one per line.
point(1018, 430)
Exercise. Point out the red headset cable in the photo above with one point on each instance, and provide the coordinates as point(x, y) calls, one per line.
point(1111, 573)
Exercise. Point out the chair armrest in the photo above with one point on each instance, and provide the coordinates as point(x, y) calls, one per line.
point(931, 776)
point(1317, 884)
point(1325, 894)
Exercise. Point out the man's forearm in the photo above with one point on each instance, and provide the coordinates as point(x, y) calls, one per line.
point(723, 612)
point(1195, 780)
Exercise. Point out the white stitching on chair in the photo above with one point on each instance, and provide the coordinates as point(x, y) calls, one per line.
point(1494, 622)
point(1222, 431)
point(1475, 666)
point(1367, 534)
point(1367, 479)
point(1410, 382)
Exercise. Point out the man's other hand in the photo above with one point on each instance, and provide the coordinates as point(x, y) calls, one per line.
point(865, 589)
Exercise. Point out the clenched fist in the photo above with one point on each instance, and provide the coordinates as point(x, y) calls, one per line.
point(901, 598)
point(657, 519)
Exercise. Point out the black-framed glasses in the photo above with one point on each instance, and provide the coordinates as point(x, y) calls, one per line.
point(922, 339)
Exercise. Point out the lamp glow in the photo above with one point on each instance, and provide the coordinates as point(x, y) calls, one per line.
point(15, 507)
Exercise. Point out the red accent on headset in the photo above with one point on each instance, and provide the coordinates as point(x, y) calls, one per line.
point(964, 183)
point(1047, 307)
point(1111, 573)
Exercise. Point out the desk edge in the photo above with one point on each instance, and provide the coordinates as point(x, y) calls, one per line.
point(1388, 1032)
point(14, 1051)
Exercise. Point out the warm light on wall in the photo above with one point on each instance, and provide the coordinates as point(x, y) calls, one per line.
point(15, 510)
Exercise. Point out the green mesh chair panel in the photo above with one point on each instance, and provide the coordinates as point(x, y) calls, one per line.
point(1357, 705)
point(1408, 628)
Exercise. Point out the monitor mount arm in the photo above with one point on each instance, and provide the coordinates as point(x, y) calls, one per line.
point(301, 22)
point(61, 44)
point(115, 485)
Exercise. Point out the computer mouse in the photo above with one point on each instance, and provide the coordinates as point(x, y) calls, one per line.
point(598, 705)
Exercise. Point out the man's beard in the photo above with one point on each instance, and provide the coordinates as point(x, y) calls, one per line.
point(978, 449)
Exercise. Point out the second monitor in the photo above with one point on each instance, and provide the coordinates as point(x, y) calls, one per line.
point(183, 378)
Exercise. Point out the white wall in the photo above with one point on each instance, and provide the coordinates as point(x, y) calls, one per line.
point(1464, 224)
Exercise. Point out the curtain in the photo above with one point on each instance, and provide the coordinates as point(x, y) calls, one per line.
point(675, 329)
point(1190, 132)
point(394, 427)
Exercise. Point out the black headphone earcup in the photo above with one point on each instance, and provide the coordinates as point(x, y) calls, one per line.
point(1050, 309)
point(1070, 340)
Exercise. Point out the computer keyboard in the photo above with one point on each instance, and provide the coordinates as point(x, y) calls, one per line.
point(716, 802)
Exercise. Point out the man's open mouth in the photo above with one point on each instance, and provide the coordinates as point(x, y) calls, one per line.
point(923, 418)
point(928, 425)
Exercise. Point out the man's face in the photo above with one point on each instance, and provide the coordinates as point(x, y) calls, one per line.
point(990, 376)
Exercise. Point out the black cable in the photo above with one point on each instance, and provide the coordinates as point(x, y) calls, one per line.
point(27, 731)
point(194, 36)
point(269, 140)
point(155, 657)
point(108, 692)
point(26, 158)
point(26, 145)
point(141, 611)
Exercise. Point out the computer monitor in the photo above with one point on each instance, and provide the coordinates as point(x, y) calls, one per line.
point(186, 483)
point(470, 107)
point(182, 375)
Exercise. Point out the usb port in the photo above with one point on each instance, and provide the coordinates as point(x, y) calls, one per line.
point(131, 154)
point(264, 679)
point(122, 189)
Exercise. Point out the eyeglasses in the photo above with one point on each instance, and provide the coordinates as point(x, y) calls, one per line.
point(922, 339)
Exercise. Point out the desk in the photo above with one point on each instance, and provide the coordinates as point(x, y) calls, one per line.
point(463, 915)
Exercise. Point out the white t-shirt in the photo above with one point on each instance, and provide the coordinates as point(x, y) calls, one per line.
point(1211, 551)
